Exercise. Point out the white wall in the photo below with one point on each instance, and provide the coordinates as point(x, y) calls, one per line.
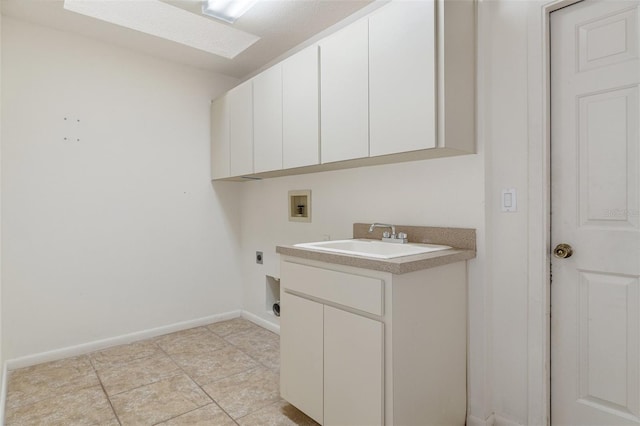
point(511, 66)
point(504, 30)
point(1, 345)
point(121, 231)
point(438, 192)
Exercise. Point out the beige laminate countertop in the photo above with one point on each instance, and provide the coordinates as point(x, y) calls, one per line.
point(398, 265)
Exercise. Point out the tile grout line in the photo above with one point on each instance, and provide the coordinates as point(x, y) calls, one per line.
point(180, 369)
point(213, 401)
point(138, 359)
point(260, 364)
point(279, 401)
point(104, 391)
point(21, 404)
point(201, 386)
point(233, 375)
point(191, 411)
point(245, 352)
point(274, 370)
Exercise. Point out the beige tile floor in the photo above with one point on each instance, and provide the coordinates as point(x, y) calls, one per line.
point(225, 373)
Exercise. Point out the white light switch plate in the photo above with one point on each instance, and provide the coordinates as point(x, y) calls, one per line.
point(509, 200)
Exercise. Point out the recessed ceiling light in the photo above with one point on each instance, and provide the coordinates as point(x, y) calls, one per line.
point(227, 10)
point(169, 22)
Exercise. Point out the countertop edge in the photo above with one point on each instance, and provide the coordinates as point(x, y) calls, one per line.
point(398, 266)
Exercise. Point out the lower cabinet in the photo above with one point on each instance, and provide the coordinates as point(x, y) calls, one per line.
point(353, 366)
point(363, 347)
point(332, 363)
point(301, 379)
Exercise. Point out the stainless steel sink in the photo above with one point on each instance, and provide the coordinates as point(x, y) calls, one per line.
point(372, 248)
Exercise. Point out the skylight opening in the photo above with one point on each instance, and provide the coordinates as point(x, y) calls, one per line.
point(163, 20)
point(227, 10)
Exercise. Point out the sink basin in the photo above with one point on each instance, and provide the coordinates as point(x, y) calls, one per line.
point(372, 248)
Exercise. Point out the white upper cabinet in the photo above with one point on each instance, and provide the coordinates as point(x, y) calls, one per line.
point(300, 109)
point(344, 69)
point(402, 77)
point(220, 138)
point(240, 101)
point(267, 120)
point(392, 86)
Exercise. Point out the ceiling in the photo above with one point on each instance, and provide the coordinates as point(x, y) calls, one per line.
point(281, 25)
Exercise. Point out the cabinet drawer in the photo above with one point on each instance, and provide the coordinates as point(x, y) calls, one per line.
point(355, 291)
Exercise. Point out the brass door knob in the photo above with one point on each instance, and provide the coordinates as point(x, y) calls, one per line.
point(562, 251)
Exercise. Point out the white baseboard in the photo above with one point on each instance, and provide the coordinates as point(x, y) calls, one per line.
point(477, 421)
point(85, 348)
point(3, 392)
point(261, 322)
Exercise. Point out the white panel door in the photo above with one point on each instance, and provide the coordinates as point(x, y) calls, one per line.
point(353, 369)
point(220, 138)
point(300, 109)
point(402, 78)
point(240, 101)
point(301, 348)
point(344, 94)
point(595, 158)
point(267, 120)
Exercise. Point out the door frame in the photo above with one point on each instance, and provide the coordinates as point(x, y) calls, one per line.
point(539, 210)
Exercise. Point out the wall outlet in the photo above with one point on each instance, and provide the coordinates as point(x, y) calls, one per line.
point(259, 257)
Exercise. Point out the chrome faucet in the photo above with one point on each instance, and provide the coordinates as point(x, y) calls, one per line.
point(382, 225)
point(392, 237)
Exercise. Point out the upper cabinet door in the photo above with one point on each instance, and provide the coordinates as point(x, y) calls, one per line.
point(300, 109)
point(267, 120)
point(344, 76)
point(241, 129)
point(402, 84)
point(220, 138)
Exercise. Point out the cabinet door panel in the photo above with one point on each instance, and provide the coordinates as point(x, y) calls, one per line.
point(402, 77)
point(220, 138)
point(354, 365)
point(241, 129)
point(300, 109)
point(344, 76)
point(301, 341)
point(267, 120)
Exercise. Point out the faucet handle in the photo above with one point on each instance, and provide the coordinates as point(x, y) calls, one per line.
point(386, 234)
point(402, 238)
